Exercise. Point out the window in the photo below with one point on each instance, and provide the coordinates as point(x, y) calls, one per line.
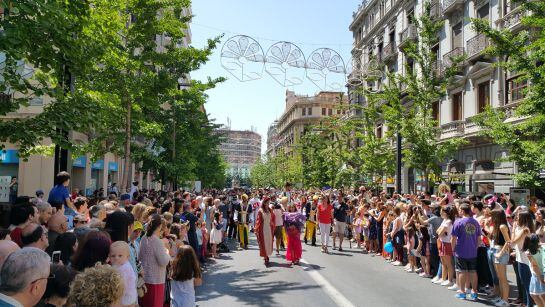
point(392, 36)
point(435, 111)
point(324, 112)
point(379, 131)
point(457, 36)
point(309, 111)
point(457, 106)
point(483, 12)
point(338, 111)
point(483, 96)
point(329, 112)
point(515, 89)
point(5, 98)
point(304, 111)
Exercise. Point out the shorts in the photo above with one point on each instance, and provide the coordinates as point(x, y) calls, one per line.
point(503, 259)
point(465, 265)
point(339, 227)
point(536, 286)
point(225, 222)
point(446, 249)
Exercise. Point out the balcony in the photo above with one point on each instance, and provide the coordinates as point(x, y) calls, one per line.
point(472, 129)
point(476, 46)
point(448, 57)
point(512, 20)
point(451, 6)
point(453, 129)
point(435, 10)
point(389, 52)
point(408, 35)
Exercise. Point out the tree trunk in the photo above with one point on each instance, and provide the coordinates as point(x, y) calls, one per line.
point(127, 162)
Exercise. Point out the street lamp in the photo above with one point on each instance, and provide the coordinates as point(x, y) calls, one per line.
point(183, 84)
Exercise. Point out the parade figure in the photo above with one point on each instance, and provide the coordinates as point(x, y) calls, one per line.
point(242, 218)
point(264, 229)
point(293, 222)
point(310, 227)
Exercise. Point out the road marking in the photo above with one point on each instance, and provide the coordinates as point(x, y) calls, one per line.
point(329, 289)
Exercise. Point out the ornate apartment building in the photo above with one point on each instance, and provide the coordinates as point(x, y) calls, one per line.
point(301, 112)
point(381, 28)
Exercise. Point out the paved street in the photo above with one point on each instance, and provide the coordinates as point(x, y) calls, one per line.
point(348, 278)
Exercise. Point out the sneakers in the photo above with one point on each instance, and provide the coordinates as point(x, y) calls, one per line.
point(438, 281)
point(419, 270)
point(501, 303)
point(446, 283)
point(396, 263)
point(436, 278)
point(453, 287)
point(460, 295)
point(472, 296)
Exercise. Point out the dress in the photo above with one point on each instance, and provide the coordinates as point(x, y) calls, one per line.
point(215, 235)
point(372, 228)
point(264, 231)
point(182, 293)
point(293, 222)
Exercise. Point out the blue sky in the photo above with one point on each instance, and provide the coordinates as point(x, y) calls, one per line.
point(310, 24)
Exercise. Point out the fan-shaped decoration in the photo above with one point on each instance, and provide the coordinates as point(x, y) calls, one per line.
point(243, 57)
point(354, 72)
point(285, 62)
point(325, 68)
point(372, 70)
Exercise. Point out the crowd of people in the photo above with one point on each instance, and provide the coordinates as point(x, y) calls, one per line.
point(147, 248)
point(462, 243)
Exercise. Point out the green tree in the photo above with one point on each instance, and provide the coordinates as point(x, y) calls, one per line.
point(140, 77)
point(410, 98)
point(43, 46)
point(521, 53)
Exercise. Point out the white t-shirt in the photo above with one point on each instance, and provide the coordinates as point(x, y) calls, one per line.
point(182, 293)
point(447, 225)
point(128, 275)
point(278, 218)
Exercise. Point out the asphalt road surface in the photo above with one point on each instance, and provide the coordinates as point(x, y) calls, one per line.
point(347, 278)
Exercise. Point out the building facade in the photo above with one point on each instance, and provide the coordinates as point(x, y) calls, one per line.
point(241, 150)
point(380, 30)
point(301, 112)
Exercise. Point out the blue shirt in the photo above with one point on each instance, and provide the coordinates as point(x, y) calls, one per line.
point(58, 195)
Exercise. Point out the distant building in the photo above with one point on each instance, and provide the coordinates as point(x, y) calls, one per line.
point(241, 150)
point(301, 113)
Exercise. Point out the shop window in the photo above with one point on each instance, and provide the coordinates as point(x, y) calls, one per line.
point(483, 96)
point(457, 106)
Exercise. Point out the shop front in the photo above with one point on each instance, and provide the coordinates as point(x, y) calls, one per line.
point(79, 166)
point(9, 168)
point(97, 174)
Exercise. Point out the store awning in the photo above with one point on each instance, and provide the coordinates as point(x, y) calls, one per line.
point(80, 161)
point(9, 156)
point(112, 167)
point(98, 165)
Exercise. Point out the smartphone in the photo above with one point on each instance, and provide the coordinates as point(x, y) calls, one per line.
point(56, 257)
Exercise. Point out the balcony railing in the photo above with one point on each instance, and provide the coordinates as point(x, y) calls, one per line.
point(409, 34)
point(450, 6)
point(389, 51)
point(476, 45)
point(453, 129)
point(448, 58)
point(512, 20)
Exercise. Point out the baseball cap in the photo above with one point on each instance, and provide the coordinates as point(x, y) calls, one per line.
point(138, 226)
point(125, 197)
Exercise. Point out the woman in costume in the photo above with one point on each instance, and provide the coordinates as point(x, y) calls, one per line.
point(293, 222)
point(264, 229)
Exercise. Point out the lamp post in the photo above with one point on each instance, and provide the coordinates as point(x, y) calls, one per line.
point(183, 84)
